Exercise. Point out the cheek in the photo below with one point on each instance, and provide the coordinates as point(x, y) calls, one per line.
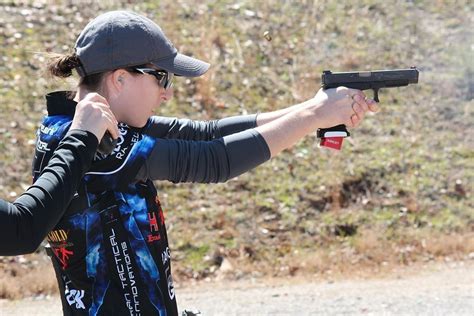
point(142, 96)
point(138, 94)
point(147, 91)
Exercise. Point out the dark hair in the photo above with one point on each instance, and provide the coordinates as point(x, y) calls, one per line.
point(62, 66)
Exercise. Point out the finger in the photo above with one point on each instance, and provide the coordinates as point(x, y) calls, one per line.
point(113, 130)
point(110, 120)
point(373, 106)
point(362, 104)
point(349, 122)
point(358, 111)
point(114, 118)
point(355, 120)
point(111, 125)
point(105, 108)
point(102, 109)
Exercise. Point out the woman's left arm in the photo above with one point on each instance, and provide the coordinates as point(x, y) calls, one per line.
point(25, 222)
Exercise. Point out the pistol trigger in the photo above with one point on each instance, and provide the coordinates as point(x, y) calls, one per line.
point(376, 95)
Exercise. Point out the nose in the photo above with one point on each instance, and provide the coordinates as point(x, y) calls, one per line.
point(167, 94)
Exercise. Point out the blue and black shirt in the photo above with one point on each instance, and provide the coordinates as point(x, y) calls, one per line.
point(110, 249)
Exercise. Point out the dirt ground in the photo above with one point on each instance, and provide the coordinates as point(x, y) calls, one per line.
point(431, 289)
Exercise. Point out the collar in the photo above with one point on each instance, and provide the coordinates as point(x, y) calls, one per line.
point(61, 103)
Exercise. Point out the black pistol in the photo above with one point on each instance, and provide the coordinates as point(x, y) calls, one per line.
point(361, 80)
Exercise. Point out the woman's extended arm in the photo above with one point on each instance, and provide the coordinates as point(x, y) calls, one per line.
point(221, 159)
point(327, 109)
point(186, 129)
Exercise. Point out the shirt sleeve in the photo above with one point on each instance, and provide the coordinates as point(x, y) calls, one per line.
point(206, 161)
point(174, 128)
point(25, 222)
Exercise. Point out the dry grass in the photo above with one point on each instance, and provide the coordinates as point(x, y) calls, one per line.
point(371, 256)
point(448, 245)
point(34, 276)
point(370, 244)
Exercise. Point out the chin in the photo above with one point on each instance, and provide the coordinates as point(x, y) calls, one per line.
point(136, 123)
point(141, 124)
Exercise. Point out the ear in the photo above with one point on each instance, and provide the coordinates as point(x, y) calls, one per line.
point(118, 78)
point(116, 81)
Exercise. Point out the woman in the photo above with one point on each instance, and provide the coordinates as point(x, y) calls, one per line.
point(25, 222)
point(110, 249)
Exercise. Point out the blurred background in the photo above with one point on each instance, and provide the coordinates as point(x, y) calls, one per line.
point(399, 193)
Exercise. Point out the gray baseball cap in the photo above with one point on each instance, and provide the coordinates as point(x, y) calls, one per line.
point(120, 39)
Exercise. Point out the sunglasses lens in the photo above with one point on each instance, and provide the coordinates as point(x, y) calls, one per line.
point(165, 79)
point(169, 81)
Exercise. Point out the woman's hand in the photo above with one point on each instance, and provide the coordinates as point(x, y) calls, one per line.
point(342, 106)
point(328, 108)
point(93, 114)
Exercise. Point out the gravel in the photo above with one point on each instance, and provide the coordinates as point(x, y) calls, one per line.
point(446, 289)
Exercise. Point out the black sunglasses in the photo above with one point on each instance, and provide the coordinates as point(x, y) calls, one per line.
point(165, 79)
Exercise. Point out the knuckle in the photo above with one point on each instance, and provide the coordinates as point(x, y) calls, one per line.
point(92, 95)
point(97, 97)
point(357, 108)
point(85, 104)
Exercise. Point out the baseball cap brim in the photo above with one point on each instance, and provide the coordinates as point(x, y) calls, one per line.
point(182, 65)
